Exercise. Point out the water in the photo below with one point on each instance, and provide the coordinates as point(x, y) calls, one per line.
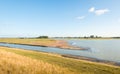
point(100, 49)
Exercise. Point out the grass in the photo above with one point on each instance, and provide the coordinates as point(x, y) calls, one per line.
point(11, 63)
point(39, 42)
point(46, 42)
point(57, 64)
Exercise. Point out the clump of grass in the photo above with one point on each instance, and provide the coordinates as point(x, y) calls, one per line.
point(11, 63)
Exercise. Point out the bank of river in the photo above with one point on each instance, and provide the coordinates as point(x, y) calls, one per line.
point(97, 50)
point(90, 54)
point(41, 42)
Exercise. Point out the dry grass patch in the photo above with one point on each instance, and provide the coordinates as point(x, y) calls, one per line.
point(11, 63)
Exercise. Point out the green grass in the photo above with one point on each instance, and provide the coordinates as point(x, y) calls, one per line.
point(75, 66)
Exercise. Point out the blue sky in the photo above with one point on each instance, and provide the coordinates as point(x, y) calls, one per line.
point(30, 18)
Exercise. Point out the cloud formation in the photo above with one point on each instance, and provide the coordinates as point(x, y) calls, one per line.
point(92, 9)
point(101, 11)
point(98, 11)
point(81, 17)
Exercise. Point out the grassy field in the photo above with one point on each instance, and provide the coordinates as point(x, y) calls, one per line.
point(31, 62)
point(40, 42)
point(44, 42)
point(12, 63)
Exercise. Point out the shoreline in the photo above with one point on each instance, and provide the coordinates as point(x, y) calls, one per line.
point(66, 46)
point(94, 60)
point(60, 44)
point(75, 57)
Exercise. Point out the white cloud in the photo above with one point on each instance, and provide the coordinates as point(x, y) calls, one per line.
point(81, 17)
point(98, 11)
point(92, 9)
point(101, 11)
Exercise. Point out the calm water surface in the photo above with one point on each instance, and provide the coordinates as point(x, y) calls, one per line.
point(99, 49)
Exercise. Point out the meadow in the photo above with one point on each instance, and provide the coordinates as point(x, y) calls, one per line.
point(18, 61)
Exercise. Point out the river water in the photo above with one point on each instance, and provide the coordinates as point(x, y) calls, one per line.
point(100, 49)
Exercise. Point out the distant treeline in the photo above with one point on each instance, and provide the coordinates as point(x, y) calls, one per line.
point(90, 37)
point(43, 37)
point(39, 37)
point(86, 37)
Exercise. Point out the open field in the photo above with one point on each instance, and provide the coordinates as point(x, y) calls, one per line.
point(31, 62)
point(40, 42)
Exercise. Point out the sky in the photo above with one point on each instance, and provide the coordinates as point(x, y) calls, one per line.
point(31, 18)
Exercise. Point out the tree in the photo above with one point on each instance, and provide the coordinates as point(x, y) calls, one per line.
point(43, 37)
point(91, 36)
